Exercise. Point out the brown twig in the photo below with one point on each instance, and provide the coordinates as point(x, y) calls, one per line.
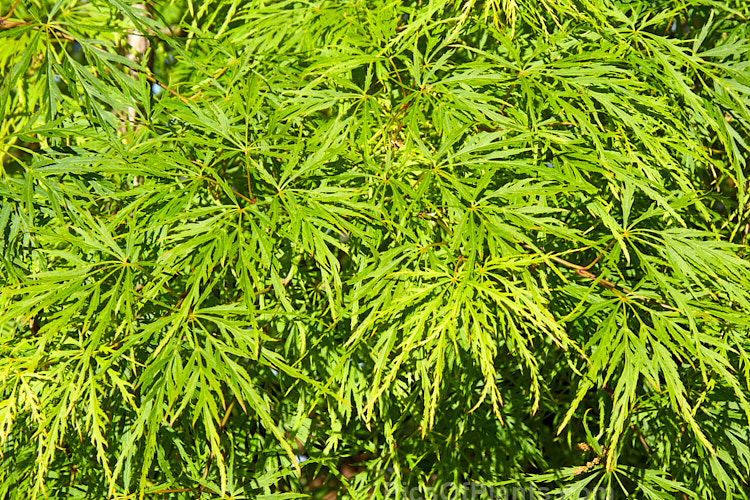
point(585, 273)
point(173, 490)
point(507, 95)
point(554, 124)
point(632, 425)
point(222, 425)
point(6, 16)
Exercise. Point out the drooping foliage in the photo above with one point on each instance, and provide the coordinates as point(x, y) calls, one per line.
point(271, 249)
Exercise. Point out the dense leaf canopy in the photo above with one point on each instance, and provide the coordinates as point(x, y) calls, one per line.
point(269, 249)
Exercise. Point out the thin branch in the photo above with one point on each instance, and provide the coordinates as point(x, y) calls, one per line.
point(585, 273)
point(6, 16)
